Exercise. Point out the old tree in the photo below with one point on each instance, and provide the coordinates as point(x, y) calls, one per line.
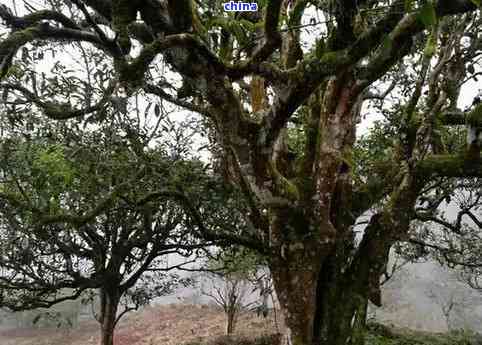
point(281, 111)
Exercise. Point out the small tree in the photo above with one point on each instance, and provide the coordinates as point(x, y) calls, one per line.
point(448, 231)
point(73, 216)
point(230, 283)
point(229, 291)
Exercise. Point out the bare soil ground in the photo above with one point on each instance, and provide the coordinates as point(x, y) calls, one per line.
point(166, 324)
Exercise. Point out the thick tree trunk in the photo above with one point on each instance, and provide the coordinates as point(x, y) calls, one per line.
point(297, 296)
point(322, 308)
point(109, 301)
point(323, 298)
point(295, 272)
point(340, 307)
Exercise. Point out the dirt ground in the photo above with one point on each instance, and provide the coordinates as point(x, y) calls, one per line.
point(167, 324)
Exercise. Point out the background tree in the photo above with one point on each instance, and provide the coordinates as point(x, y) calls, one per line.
point(74, 218)
point(256, 80)
point(229, 292)
point(230, 278)
point(456, 302)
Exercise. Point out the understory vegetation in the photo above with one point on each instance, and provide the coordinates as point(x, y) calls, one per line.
point(377, 334)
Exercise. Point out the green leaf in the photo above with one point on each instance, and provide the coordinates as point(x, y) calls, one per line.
point(476, 2)
point(427, 14)
point(409, 5)
point(239, 33)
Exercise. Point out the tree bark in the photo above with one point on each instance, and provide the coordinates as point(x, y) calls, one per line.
point(324, 286)
point(295, 272)
point(296, 292)
point(109, 302)
point(321, 304)
point(231, 322)
point(340, 306)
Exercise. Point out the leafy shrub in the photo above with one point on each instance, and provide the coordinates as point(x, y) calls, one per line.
point(383, 335)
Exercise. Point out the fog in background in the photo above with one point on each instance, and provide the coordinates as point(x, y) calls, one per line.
point(415, 297)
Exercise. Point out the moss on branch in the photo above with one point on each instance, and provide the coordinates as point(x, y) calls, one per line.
point(449, 166)
point(61, 111)
point(17, 39)
point(284, 187)
point(45, 31)
point(123, 13)
point(132, 74)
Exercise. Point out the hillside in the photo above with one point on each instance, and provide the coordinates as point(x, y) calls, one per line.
point(167, 324)
point(200, 324)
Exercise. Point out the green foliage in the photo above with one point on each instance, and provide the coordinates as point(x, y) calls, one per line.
point(431, 45)
point(379, 334)
point(476, 2)
point(111, 178)
point(474, 118)
point(15, 71)
point(52, 167)
point(409, 4)
point(296, 139)
point(427, 14)
point(45, 166)
point(238, 28)
point(373, 153)
point(236, 261)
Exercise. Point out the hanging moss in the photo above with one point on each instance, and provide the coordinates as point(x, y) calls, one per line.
point(9, 47)
point(450, 166)
point(17, 39)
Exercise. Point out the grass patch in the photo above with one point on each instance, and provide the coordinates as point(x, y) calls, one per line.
point(271, 339)
point(377, 334)
point(383, 335)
